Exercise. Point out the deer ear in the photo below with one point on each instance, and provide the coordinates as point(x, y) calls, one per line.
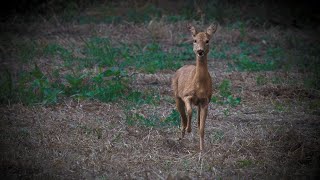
point(192, 30)
point(212, 29)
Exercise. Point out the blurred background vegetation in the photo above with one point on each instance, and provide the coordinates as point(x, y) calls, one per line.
point(297, 13)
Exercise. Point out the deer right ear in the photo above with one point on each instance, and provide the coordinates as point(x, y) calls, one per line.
point(212, 29)
point(192, 30)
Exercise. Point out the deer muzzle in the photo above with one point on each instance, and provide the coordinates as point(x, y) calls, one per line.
point(200, 52)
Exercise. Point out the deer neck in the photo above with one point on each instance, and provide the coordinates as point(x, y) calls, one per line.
point(201, 68)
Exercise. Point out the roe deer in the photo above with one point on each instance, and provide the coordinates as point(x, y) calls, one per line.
point(192, 85)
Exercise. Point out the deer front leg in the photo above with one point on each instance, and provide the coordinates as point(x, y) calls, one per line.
point(203, 117)
point(180, 106)
point(187, 102)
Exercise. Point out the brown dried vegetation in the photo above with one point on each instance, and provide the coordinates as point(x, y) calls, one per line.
point(273, 133)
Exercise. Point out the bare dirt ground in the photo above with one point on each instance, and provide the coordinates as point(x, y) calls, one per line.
point(272, 134)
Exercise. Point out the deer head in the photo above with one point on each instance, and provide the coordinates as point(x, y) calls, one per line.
point(201, 40)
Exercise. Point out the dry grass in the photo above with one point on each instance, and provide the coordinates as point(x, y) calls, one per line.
point(271, 134)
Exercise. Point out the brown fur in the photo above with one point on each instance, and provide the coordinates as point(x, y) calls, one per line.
point(192, 85)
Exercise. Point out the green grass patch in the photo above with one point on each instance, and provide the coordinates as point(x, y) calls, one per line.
point(146, 97)
point(36, 87)
point(150, 59)
point(225, 96)
point(244, 163)
point(136, 119)
point(173, 118)
point(243, 62)
point(137, 100)
point(269, 60)
point(248, 49)
point(218, 54)
point(56, 50)
point(184, 51)
point(106, 86)
point(101, 52)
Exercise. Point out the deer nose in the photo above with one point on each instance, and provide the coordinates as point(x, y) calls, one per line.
point(200, 52)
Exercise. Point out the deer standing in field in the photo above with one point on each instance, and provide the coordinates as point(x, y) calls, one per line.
point(192, 85)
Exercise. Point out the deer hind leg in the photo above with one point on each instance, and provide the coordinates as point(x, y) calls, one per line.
point(181, 108)
point(187, 102)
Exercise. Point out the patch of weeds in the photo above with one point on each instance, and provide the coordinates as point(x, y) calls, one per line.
point(35, 87)
point(138, 119)
point(116, 138)
point(100, 18)
point(185, 52)
point(168, 99)
point(217, 136)
point(241, 26)
point(279, 106)
point(152, 59)
point(225, 96)
point(274, 54)
point(276, 80)
point(143, 15)
point(6, 86)
point(130, 121)
point(216, 54)
point(313, 81)
point(27, 50)
point(55, 49)
point(261, 80)
point(91, 131)
point(109, 85)
point(70, 10)
point(101, 52)
point(244, 63)
point(102, 177)
point(139, 98)
point(314, 105)
point(167, 165)
point(249, 49)
point(244, 163)
point(226, 112)
point(174, 18)
point(150, 122)
point(24, 132)
point(173, 118)
point(76, 84)
point(186, 163)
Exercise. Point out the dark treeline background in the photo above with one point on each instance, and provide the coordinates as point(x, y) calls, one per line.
point(296, 13)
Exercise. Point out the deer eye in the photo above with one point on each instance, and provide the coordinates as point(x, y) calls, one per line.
point(195, 41)
point(207, 41)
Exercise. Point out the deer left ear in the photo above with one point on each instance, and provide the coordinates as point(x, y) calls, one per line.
point(212, 29)
point(192, 29)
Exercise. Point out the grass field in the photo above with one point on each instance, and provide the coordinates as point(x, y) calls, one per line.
point(88, 97)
